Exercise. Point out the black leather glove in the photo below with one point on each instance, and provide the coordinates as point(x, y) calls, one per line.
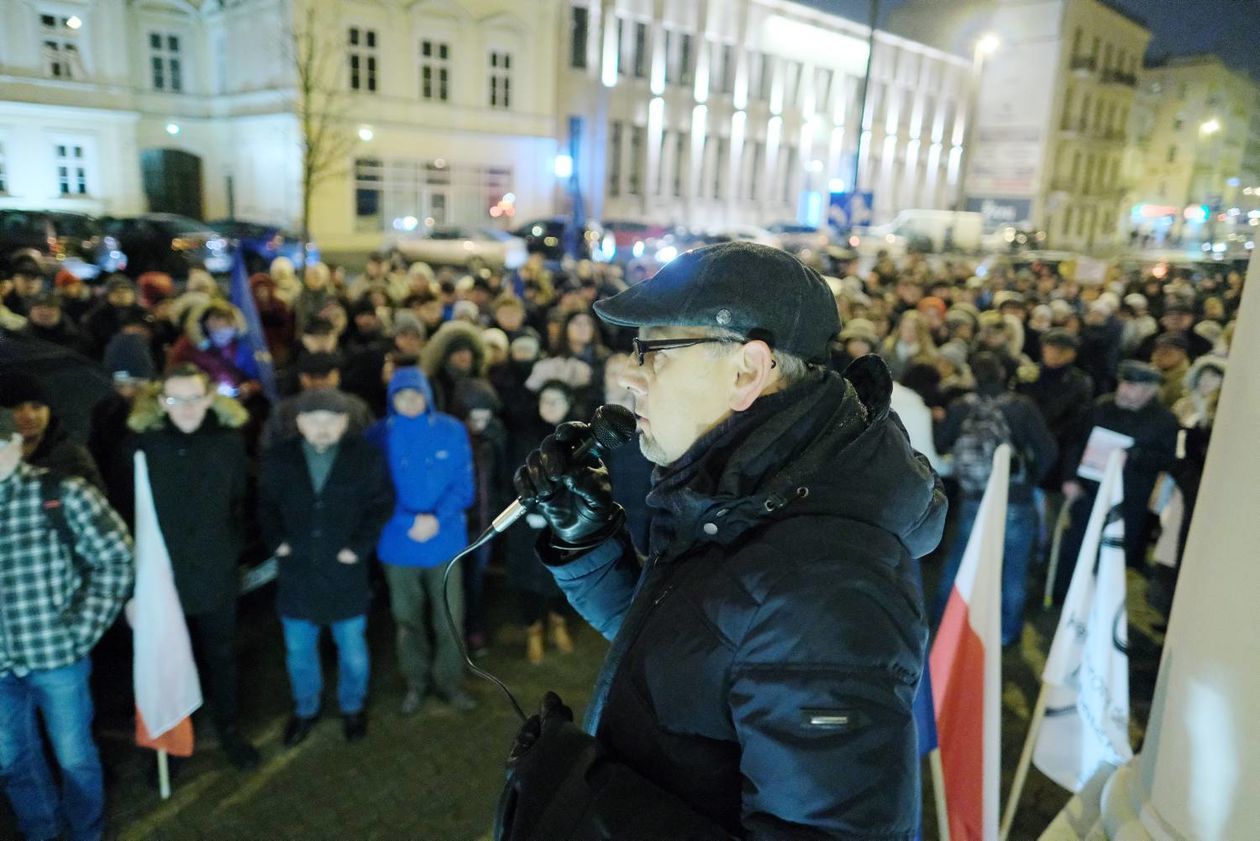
point(574, 497)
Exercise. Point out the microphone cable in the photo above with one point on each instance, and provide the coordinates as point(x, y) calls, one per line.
point(457, 634)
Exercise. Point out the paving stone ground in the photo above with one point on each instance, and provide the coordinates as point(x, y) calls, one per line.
point(437, 775)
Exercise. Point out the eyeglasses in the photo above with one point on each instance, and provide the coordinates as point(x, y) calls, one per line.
point(642, 347)
point(172, 402)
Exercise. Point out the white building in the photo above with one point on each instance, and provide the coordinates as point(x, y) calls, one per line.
point(1053, 113)
point(728, 112)
point(705, 112)
point(1198, 146)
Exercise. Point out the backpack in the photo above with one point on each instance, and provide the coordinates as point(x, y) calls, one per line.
point(54, 511)
point(984, 429)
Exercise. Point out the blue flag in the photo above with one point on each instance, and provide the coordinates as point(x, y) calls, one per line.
point(255, 340)
point(925, 714)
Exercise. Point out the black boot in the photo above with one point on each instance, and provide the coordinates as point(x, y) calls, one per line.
point(354, 725)
point(298, 729)
point(242, 755)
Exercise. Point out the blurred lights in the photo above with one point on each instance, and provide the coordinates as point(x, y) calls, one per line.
point(562, 166)
point(74, 22)
point(836, 185)
point(172, 129)
point(366, 134)
point(1211, 126)
point(988, 44)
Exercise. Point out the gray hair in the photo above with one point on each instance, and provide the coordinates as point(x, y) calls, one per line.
point(792, 368)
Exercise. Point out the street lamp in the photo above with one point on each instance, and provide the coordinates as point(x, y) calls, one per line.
point(1210, 126)
point(988, 44)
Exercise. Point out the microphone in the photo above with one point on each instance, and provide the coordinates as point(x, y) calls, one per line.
point(611, 426)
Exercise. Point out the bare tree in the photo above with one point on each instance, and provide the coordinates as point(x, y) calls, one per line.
point(318, 58)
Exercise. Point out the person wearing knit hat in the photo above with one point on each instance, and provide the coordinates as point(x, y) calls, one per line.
point(76, 298)
point(48, 321)
point(45, 441)
point(110, 314)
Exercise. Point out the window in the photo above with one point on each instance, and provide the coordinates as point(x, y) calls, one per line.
point(681, 146)
point(164, 62)
point(720, 146)
point(621, 46)
point(61, 48)
point(578, 31)
point(1172, 154)
point(684, 59)
point(614, 158)
point(369, 178)
point(4, 174)
point(758, 164)
point(792, 82)
point(500, 79)
point(728, 68)
point(435, 71)
point(670, 73)
point(1178, 122)
point(72, 175)
point(822, 89)
point(362, 55)
point(635, 187)
point(766, 79)
point(640, 50)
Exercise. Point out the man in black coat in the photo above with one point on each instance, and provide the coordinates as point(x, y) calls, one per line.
point(323, 500)
point(766, 653)
point(195, 452)
point(1132, 410)
point(45, 440)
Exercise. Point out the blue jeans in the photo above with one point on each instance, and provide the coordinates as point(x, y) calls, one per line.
point(1021, 535)
point(64, 701)
point(301, 646)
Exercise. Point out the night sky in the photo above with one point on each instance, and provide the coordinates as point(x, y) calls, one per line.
point(1229, 28)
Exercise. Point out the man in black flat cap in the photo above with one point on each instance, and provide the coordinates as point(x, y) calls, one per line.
point(1132, 410)
point(766, 652)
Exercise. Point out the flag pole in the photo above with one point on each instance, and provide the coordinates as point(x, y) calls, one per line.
point(938, 792)
point(1025, 759)
point(1052, 568)
point(164, 775)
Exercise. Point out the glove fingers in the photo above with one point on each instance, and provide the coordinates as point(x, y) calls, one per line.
point(592, 489)
point(554, 458)
point(570, 432)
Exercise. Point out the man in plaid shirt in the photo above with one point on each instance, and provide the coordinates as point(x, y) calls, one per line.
point(55, 603)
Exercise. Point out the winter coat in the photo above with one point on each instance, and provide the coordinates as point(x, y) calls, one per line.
point(64, 456)
point(63, 333)
point(199, 483)
point(766, 655)
point(1063, 395)
point(431, 465)
point(347, 514)
point(104, 321)
point(227, 366)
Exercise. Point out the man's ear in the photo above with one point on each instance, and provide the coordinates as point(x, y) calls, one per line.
point(754, 374)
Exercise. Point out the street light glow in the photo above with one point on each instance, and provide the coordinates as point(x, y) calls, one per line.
point(172, 129)
point(563, 166)
point(74, 22)
point(988, 44)
point(366, 134)
point(1210, 126)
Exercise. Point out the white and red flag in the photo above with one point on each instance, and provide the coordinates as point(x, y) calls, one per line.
point(966, 670)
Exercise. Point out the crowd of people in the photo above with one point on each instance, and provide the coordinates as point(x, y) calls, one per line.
point(404, 398)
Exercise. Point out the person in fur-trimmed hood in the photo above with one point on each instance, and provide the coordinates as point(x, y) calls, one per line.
point(192, 441)
point(212, 342)
point(454, 361)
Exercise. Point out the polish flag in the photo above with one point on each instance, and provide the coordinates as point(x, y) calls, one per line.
point(164, 673)
point(966, 670)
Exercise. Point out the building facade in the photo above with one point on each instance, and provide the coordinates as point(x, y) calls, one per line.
point(1197, 130)
point(704, 112)
point(734, 112)
point(1054, 111)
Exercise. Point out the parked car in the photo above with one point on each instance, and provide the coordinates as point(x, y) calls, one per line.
point(52, 240)
point(547, 237)
point(167, 242)
point(471, 248)
point(802, 240)
point(630, 238)
point(260, 244)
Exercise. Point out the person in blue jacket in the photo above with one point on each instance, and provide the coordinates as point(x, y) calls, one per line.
point(430, 461)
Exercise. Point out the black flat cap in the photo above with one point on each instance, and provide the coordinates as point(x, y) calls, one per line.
point(1135, 371)
point(754, 290)
point(1059, 337)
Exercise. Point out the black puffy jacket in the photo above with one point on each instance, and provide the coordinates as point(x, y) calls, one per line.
point(766, 654)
